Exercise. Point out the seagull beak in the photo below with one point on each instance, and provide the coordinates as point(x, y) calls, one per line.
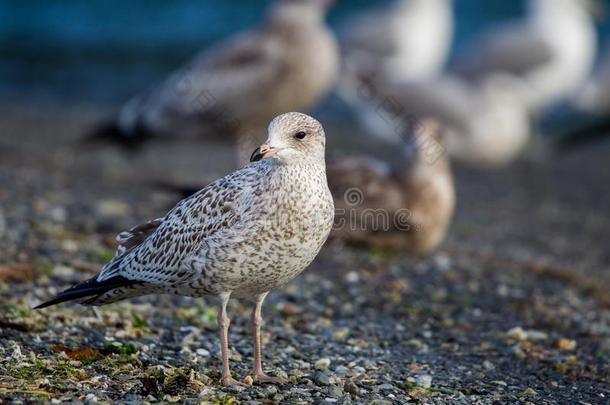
point(262, 152)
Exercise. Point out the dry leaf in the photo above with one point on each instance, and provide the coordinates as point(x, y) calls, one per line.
point(80, 354)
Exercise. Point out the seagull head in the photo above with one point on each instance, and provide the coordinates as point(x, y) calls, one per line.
point(293, 137)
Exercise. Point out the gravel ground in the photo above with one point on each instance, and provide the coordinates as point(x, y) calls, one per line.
point(512, 309)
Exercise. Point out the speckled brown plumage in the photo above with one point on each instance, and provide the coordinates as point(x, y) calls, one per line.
point(242, 235)
point(406, 208)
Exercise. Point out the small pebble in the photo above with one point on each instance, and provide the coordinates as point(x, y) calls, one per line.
point(535, 335)
point(352, 277)
point(202, 352)
point(442, 261)
point(369, 365)
point(69, 245)
point(424, 380)
point(530, 392)
point(516, 333)
point(91, 398)
point(58, 214)
point(566, 344)
point(63, 271)
point(235, 388)
point(359, 370)
point(502, 290)
point(322, 364)
point(322, 378)
point(342, 371)
point(335, 391)
point(517, 351)
point(351, 388)
point(110, 208)
point(290, 309)
point(340, 335)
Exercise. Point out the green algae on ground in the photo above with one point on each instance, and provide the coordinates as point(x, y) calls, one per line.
point(17, 311)
point(225, 400)
point(20, 316)
point(122, 349)
point(417, 391)
point(38, 368)
point(104, 254)
point(137, 321)
point(200, 315)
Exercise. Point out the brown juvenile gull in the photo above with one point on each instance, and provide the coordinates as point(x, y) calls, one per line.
point(241, 236)
point(406, 208)
point(290, 61)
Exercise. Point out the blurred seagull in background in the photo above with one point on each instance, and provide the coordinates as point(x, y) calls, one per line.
point(288, 63)
point(409, 40)
point(406, 208)
point(553, 50)
point(485, 124)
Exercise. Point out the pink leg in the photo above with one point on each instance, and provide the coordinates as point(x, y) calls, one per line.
point(258, 374)
point(223, 327)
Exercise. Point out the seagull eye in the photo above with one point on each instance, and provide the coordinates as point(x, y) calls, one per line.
point(300, 135)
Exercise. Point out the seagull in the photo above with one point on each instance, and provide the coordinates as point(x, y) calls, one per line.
point(485, 124)
point(290, 61)
point(406, 208)
point(241, 236)
point(409, 40)
point(553, 50)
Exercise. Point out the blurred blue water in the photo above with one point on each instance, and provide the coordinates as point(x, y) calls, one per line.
point(104, 51)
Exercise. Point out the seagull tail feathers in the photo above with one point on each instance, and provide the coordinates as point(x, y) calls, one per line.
point(90, 288)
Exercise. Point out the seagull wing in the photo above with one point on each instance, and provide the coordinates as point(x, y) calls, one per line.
point(161, 251)
point(135, 236)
